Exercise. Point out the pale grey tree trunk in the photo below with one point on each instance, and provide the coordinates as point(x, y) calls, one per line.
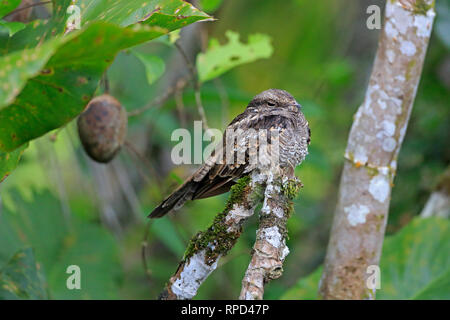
point(371, 156)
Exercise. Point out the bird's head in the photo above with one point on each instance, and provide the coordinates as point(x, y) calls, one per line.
point(275, 98)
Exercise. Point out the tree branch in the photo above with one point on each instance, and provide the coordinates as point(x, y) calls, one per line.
point(270, 248)
point(373, 146)
point(207, 247)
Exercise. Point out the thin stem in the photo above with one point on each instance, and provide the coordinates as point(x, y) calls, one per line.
point(106, 82)
point(197, 85)
point(144, 247)
point(27, 7)
point(158, 102)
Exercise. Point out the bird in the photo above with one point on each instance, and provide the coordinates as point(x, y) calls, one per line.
point(273, 110)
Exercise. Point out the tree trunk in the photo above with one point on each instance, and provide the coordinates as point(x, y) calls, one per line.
point(371, 156)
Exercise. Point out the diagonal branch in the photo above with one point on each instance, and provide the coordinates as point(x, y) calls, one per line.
point(270, 250)
point(207, 247)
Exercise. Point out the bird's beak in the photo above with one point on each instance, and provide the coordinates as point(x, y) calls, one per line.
point(297, 106)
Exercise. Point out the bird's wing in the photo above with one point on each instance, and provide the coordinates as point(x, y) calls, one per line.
point(215, 178)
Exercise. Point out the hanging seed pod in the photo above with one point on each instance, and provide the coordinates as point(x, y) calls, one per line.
point(102, 128)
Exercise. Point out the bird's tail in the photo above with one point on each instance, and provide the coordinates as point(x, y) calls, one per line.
point(176, 200)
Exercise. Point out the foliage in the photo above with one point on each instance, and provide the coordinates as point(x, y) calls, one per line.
point(414, 264)
point(210, 5)
point(219, 59)
point(322, 54)
point(6, 6)
point(9, 161)
point(21, 278)
point(154, 66)
point(11, 27)
point(85, 245)
point(64, 71)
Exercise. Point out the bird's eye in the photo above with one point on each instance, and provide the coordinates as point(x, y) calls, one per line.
point(271, 104)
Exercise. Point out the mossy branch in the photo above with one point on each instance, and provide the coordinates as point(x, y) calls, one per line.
point(207, 247)
point(270, 247)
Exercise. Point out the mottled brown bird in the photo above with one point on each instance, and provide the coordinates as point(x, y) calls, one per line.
point(270, 110)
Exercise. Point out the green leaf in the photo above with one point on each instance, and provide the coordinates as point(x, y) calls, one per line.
point(12, 27)
point(166, 232)
point(95, 251)
point(154, 65)
point(44, 88)
point(58, 243)
point(125, 12)
point(21, 278)
point(218, 59)
point(9, 161)
point(6, 6)
point(416, 261)
point(306, 288)
point(210, 5)
point(415, 264)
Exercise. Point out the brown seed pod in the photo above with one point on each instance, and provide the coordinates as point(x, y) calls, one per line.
point(102, 128)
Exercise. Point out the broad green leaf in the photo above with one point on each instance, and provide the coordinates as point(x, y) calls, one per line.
point(169, 39)
point(166, 232)
point(169, 14)
point(415, 264)
point(21, 278)
point(218, 59)
point(95, 251)
point(9, 161)
point(154, 65)
point(46, 83)
point(12, 27)
point(416, 261)
point(6, 6)
point(58, 243)
point(306, 288)
point(58, 79)
point(437, 289)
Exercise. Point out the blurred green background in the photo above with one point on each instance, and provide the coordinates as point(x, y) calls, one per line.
point(73, 211)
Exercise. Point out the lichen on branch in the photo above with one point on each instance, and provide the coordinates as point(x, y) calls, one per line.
point(373, 146)
point(270, 249)
point(207, 247)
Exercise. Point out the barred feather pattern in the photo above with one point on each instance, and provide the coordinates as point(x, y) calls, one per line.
point(273, 115)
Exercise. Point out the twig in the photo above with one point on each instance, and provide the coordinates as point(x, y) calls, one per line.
point(224, 99)
point(207, 247)
point(105, 81)
point(127, 188)
point(159, 101)
point(147, 164)
point(27, 7)
point(270, 250)
point(180, 106)
point(277, 188)
point(197, 85)
point(144, 247)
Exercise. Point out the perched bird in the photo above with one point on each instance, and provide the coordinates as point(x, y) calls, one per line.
point(270, 110)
